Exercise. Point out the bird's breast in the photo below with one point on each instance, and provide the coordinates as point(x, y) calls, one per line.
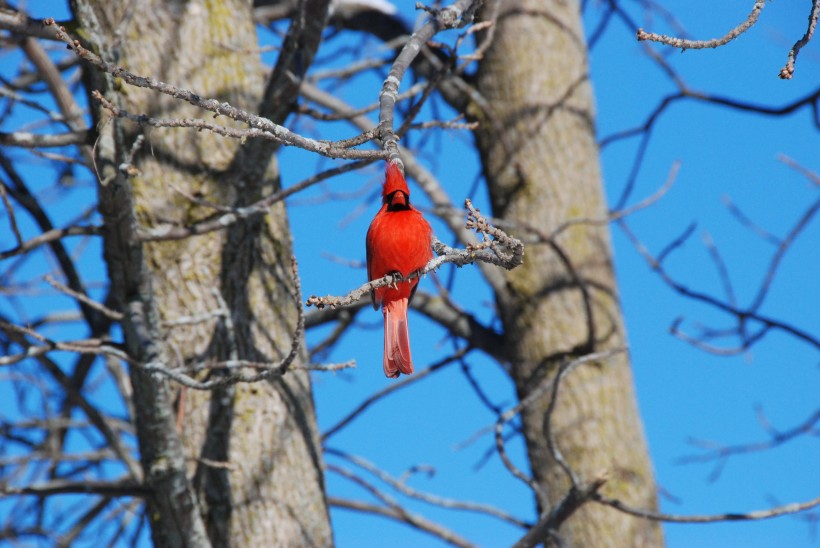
point(398, 241)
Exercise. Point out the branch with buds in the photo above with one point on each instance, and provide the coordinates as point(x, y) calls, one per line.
point(785, 73)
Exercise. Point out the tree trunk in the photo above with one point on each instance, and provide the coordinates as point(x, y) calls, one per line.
point(246, 467)
point(541, 162)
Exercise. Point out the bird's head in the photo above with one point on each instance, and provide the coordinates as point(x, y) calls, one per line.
point(395, 193)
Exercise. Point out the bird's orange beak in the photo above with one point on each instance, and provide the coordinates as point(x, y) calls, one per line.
point(399, 198)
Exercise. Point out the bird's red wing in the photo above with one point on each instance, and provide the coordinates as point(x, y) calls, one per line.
point(372, 242)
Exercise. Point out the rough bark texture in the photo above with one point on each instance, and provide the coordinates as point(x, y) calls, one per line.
point(541, 161)
point(271, 492)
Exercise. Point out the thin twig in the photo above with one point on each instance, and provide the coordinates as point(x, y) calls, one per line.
point(125, 488)
point(82, 346)
point(744, 220)
point(551, 521)
point(402, 515)
point(113, 314)
point(786, 509)
point(741, 313)
point(457, 14)
point(12, 218)
point(812, 176)
point(48, 237)
point(720, 452)
point(402, 487)
point(787, 71)
point(233, 215)
point(622, 213)
point(266, 130)
point(535, 395)
point(259, 126)
point(267, 370)
point(387, 390)
point(685, 44)
point(37, 140)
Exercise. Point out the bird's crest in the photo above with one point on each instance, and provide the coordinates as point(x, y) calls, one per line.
point(394, 180)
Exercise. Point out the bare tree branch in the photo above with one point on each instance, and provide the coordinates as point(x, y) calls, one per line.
point(552, 384)
point(259, 126)
point(112, 314)
point(48, 236)
point(15, 229)
point(786, 509)
point(268, 370)
point(230, 216)
point(787, 71)
point(123, 488)
point(407, 380)
point(283, 136)
point(19, 23)
point(550, 522)
point(719, 452)
point(742, 314)
point(683, 44)
point(403, 516)
point(74, 396)
point(459, 323)
point(457, 14)
point(87, 346)
point(402, 487)
point(36, 140)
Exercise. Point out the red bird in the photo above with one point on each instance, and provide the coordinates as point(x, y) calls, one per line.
point(398, 240)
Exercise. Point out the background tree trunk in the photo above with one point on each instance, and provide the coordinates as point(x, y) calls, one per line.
point(246, 466)
point(541, 163)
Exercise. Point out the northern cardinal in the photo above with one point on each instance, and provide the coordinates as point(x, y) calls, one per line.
point(398, 240)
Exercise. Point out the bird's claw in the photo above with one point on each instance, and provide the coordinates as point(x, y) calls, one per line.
point(397, 278)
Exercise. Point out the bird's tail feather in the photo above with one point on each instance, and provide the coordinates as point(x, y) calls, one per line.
point(397, 357)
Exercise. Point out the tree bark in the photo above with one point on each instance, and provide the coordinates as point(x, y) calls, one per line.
point(540, 159)
point(246, 467)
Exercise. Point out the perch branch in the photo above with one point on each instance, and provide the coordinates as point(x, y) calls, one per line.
point(497, 248)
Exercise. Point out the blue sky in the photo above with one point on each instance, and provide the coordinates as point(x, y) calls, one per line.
point(683, 392)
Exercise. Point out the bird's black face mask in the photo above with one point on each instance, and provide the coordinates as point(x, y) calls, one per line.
point(397, 201)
